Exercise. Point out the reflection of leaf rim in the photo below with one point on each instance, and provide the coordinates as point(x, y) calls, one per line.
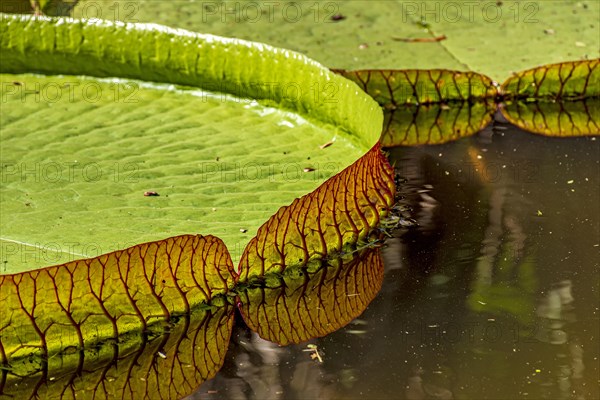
point(355, 279)
point(414, 133)
point(554, 112)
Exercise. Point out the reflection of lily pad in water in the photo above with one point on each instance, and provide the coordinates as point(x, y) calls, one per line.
point(434, 124)
point(561, 118)
point(170, 366)
point(293, 309)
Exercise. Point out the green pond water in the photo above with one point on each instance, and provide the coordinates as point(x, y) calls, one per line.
point(495, 295)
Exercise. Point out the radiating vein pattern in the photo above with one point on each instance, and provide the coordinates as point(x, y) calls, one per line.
point(307, 304)
point(325, 223)
point(568, 80)
point(62, 317)
point(170, 366)
point(391, 88)
point(561, 118)
point(434, 124)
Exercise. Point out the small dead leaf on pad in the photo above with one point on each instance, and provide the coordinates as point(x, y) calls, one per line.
point(326, 145)
point(150, 194)
point(420, 40)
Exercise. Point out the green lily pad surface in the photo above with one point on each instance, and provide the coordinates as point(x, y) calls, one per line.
point(495, 38)
point(93, 165)
point(75, 170)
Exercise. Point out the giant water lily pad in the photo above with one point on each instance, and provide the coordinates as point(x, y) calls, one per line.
point(166, 146)
point(79, 153)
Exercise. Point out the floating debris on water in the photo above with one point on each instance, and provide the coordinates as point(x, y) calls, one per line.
point(314, 350)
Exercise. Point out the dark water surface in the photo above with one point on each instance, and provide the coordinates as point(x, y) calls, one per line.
point(495, 295)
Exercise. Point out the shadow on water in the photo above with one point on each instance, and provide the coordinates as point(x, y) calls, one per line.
point(494, 295)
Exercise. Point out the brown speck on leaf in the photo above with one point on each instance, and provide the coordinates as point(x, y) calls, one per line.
point(17, 83)
point(150, 194)
point(337, 17)
point(363, 46)
point(421, 40)
point(326, 145)
point(309, 169)
point(549, 31)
